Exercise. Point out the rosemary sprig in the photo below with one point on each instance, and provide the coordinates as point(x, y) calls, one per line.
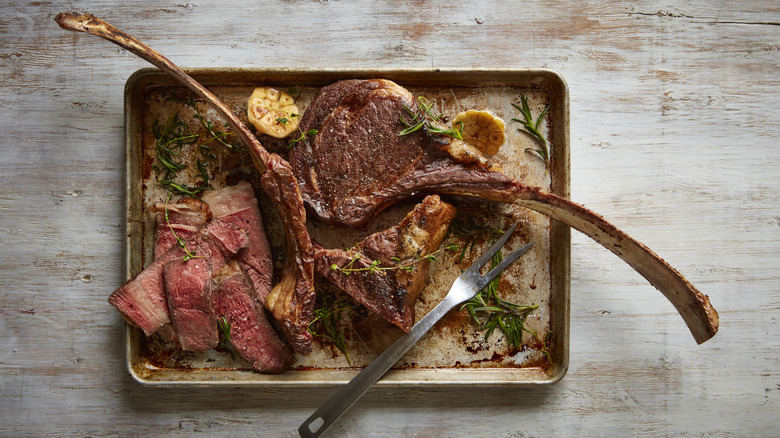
point(488, 310)
point(424, 118)
point(215, 134)
point(223, 327)
point(182, 189)
point(532, 127)
point(170, 138)
point(328, 320)
point(376, 265)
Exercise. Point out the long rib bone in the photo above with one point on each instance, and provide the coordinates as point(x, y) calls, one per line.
point(292, 300)
point(693, 306)
point(356, 199)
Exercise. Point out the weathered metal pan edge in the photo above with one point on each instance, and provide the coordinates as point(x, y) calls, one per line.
point(560, 234)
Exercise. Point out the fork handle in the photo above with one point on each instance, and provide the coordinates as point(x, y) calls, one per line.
point(332, 409)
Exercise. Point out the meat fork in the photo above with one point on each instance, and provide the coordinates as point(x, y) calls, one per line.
point(465, 287)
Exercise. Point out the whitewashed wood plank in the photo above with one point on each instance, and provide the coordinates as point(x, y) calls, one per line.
point(675, 114)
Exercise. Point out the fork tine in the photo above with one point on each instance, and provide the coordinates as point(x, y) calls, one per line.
point(493, 249)
point(487, 278)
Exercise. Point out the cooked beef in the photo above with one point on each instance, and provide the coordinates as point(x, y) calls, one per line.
point(250, 333)
point(188, 289)
point(142, 300)
point(292, 300)
point(176, 222)
point(357, 164)
point(184, 219)
point(391, 293)
point(237, 205)
point(188, 283)
point(354, 115)
point(172, 289)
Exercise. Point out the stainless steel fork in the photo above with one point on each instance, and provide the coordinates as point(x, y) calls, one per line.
point(465, 287)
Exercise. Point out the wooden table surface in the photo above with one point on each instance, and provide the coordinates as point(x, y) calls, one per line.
point(675, 116)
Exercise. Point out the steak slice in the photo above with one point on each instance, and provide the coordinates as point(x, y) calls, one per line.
point(390, 293)
point(176, 222)
point(251, 335)
point(357, 164)
point(142, 300)
point(237, 205)
point(188, 284)
point(182, 219)
point(188, 290)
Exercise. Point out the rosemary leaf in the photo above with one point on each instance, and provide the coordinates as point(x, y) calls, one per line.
point(424, 118)
point(376, 265)
point(412, 128)
point(489, 311)
point(327, 317)
point(531, 126)
point(223, 328)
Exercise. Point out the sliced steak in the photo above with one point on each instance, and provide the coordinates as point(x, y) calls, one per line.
point(142, 300)
point(357, 164)
point(390, 293)
point(251, 335)
point(188, 290)
point(237, 205)
point(180, 220)
point(175, 223)
point(292, 299)
point(188, 284)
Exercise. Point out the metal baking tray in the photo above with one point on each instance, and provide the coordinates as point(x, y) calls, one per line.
point(454, 352)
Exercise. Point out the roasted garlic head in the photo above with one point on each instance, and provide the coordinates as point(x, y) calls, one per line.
point(273, 112)
point(481, 129)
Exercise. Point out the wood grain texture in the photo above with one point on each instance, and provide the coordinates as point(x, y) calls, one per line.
point(675, 114)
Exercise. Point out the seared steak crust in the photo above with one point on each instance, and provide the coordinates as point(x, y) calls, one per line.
point(357, 164)
point(291, 301)
point(391, 293)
